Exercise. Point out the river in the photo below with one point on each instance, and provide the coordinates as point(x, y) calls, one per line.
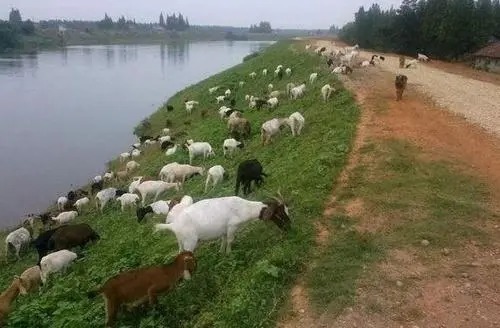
point(65, 113)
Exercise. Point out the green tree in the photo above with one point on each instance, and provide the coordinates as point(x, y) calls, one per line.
point(122, 23)
point(27, 27)
point(484, 22)
point(15, 17)
point(496, 18)
point(106, 23)
point(162, 20)
point(9, 39)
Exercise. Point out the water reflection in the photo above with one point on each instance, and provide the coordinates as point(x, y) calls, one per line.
point(64, 56)
point(178, 52)
point(110, 56)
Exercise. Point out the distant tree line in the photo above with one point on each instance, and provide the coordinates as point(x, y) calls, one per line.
point(263, 27)
point(439, 28)
point(12, 30)
point(174, 22)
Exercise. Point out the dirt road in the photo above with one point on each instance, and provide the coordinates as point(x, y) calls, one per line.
point(455, 287)
point(477, 101)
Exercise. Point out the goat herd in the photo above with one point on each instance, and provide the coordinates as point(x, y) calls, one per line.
point(190, 221)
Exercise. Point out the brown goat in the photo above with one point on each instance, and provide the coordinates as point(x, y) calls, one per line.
point(143, 284)
point(6, 299)
point(239, 127)
point(400, 84)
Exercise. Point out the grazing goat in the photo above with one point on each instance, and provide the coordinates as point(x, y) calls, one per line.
point(271, 128)
point(131, 166)
point(17, 240)
point(220, 99)
point(273, 102)
point(171, 151)
point(81, 203)
point(412, 63)
point(104, 196)
point(55, 262)
point(296, 122)
point(297, 92)
point(108, 176)
point(65, 217)
point(175, 172)
point(41, 243)
point(30, 280)
point(313, 77)
point(230, 145)
point(156, 188)
point(400, 84)
point(128, 200)
point(166, 131)
point(213, 89)
point(264, 72)
point(69, 236)
point(216, 174)
point(326, 90)
point(289, 88)
point(61, 202)
point(96, 186)
point(253, 75)
point(248, 171)
point(288, 71)
point(143, 284)
point(199, 148)
point(221, 217)
point(6, 299)
point(239, 128)
point(190, 104)
point(160, 207)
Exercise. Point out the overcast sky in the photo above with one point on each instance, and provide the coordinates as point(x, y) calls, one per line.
point(281, 13)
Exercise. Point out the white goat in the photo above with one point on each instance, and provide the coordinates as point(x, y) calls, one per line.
point(313, 77)
point(128, 200)
point(365, 63)
point(288, 71)
point(253, 75)
point(220, 99)
point(65, 217)
point(199, 148)
point(296, 122)
point(55, 262)
point(135, 153)
point(17, 239)
point(175, 172)
point(165, 138)
point(213, 89)
point(273, 102)
point(166, 131)
point(215, 218)
point(241, 83)
point(298, 91)
point(264, 72)
point(124, 157)
point(108, 176)
point(271, 128)
point(131, 166)
point(133, 185)
point(185, 202)
point(230, 145)
point(190, 105)
point(154, 187)
point(412, 63)
point(61, 202)
point(308, 46)
point(289, 88)
point(270, 87)
point(275, 94)
point(104, 196)
point(216, 174)
point(97, 179)
point(172, 150)
point(227, 93)
point(422, 57)
point(81, 203)
point(326, 91)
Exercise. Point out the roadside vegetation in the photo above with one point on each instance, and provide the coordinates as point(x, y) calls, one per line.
point(246, 287)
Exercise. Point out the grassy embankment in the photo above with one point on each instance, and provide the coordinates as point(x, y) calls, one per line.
point(246, 287)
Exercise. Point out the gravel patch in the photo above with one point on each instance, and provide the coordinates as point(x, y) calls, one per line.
point(477, 101)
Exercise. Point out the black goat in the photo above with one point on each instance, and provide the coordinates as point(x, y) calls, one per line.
point(248, 171)
point(42, 241)
point(69, 236)
point(166, 144)
point(170, 108)
point(96, 186)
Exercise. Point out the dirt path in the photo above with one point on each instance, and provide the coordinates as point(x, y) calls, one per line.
point(460, 288)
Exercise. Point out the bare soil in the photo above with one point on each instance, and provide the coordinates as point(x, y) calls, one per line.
point(460, 288)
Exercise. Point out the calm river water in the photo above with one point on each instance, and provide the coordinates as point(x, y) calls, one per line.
point(64, 114)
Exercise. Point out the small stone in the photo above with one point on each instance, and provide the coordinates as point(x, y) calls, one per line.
point(468, 285)
point(425, 242)
point(302, 311)
point(446, 251)
point(475, 264)
point(342, 226)
point(465, 275)
point(399, 283)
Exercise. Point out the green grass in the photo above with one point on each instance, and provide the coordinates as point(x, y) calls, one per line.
point(244, 288)
point(418, 198)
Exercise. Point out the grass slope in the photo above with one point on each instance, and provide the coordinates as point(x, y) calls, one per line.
point(244, 288)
